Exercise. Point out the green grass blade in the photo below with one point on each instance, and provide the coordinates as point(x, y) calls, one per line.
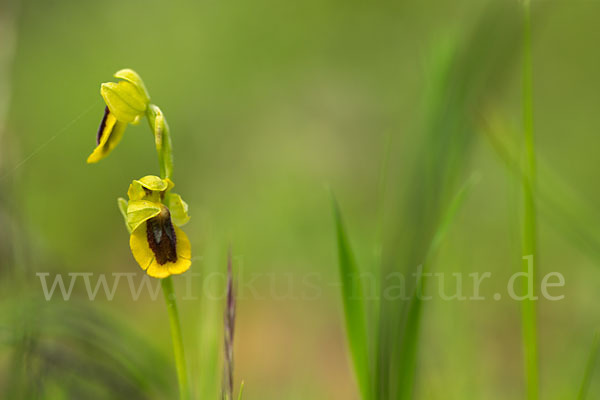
point(589, 369)
point(450, 215)
point(410, 341)
point(354, 306)
point(241, 390)
point(466, 71)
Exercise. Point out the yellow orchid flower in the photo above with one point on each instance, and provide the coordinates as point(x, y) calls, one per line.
point(126, 102)
point(153, 216)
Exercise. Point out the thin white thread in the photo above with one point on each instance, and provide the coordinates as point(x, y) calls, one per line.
point(47, 142)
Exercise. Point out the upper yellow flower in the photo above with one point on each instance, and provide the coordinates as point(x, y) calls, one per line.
point(153, 217)
point(126, 102)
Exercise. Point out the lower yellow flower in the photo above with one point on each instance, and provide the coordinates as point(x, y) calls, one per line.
point(158, 245)
point(161, 248)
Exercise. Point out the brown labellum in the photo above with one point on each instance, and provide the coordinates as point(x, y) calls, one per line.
point(161, 237)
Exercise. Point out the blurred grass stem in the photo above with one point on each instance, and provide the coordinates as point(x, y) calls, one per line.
point(529, 245)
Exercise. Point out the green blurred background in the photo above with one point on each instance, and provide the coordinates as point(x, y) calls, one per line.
point(271, 104)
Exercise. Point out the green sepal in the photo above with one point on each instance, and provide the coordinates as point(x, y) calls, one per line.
point(124, 100)
point(122, 203)
point(178, 209)
point(140, 211)
point(131, 76)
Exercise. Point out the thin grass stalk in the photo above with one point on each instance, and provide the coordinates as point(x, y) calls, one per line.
point(568, 220)
point(228, 335)
point(529, 238)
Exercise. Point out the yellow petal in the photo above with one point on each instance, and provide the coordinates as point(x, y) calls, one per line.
point(154, 183)
point(184, 253)
point(156, 270)
point(109, 139)
point(138, 242)
point(144, 256)
point(170, 184)
point(137, 188)
point(136, 191)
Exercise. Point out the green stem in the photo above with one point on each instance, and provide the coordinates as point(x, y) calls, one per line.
point(529, 243)
point(182, 378)
point(162, 140)
point(164, 149)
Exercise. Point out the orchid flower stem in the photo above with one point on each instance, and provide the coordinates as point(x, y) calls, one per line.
point(182, 377)
point(164, 149)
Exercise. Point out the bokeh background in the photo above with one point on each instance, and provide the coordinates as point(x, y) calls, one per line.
point(273, 105)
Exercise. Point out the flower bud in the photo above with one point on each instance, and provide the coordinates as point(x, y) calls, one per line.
point(126, 102)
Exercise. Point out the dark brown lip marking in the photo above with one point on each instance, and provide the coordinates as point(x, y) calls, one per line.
point(161, 238)
point(102, 125)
